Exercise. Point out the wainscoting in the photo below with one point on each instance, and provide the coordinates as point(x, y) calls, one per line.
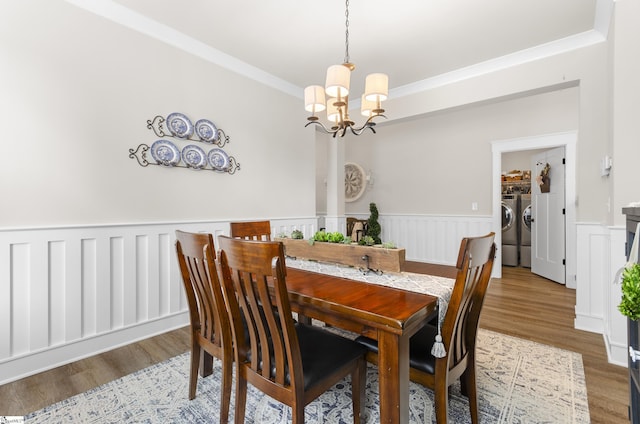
point(68, 293)
point(71, 292)
point(431, 238)
point(600, 258)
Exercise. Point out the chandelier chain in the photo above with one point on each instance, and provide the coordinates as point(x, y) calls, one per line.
point(346, 32)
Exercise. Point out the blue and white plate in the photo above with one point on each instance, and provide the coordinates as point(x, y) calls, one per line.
point(206, 130)
point(218, 159)
point(179, 125)
point(194, 157)
point(165, 153)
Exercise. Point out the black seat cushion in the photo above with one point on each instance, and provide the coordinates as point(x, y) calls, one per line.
point(420, 356)
point(323, 351)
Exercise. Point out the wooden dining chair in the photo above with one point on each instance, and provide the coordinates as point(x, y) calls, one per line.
point(458, 332)
point(251, 230)
point(210, 325)
point(291, 362)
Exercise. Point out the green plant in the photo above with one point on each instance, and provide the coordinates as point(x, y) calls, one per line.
point(335, 237)
point(389, 245)
point(373, 227)
point(297, 235)
point(367, 241)
point(630, 304)
point(320, 236)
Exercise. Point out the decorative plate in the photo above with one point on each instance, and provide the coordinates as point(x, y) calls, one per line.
point(206, 130)
point(218, 159)
point(194, 157)
point(179, 125)
point(165, 153)
point(354, 182)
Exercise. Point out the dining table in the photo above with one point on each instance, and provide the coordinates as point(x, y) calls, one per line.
point(389, 308)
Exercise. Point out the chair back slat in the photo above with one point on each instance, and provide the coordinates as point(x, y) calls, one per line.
point(253, 230)
point(254, 285)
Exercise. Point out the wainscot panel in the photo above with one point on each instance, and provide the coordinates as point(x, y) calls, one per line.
point(69, 293)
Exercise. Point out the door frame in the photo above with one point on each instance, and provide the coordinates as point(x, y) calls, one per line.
point(569, 141)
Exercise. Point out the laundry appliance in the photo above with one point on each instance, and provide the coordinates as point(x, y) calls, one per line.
point(510, 229)
point(525, 230)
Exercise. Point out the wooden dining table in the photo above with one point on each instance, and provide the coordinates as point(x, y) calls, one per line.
point(388, 314)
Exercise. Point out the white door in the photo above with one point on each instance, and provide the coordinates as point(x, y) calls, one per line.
point(548, 215)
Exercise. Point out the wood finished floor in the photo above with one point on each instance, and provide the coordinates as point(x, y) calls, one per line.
point(520, 304)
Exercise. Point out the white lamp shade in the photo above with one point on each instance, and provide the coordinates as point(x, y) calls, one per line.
point(338, 78)
point(333, 115)
point(376, 87)
point(314, 99)
point(367, 107)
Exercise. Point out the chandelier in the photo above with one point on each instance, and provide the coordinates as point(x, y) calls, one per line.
point(337, 91)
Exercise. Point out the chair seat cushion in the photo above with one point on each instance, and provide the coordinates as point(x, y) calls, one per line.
point(420, 344)
point(322, 352)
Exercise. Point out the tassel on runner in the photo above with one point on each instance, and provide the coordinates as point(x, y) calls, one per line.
point(438, 349)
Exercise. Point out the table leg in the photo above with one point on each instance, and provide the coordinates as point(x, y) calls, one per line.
point(393, 372)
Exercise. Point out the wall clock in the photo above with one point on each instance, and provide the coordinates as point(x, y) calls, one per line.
point(355, 181)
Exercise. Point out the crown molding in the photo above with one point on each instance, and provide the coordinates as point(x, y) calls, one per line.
point(138, 22)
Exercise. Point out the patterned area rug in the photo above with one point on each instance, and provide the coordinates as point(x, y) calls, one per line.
point(518, 382)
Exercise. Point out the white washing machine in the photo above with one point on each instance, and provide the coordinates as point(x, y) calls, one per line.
point(510, 229)
point(525, 230)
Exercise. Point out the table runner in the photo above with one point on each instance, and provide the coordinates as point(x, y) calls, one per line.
point(441, 287)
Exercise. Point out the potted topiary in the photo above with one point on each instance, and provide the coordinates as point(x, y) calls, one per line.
point(630, 303)
point(373, 227)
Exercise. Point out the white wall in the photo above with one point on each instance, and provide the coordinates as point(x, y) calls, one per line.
point(77, 91)
point(441, 163)
point(624, 108)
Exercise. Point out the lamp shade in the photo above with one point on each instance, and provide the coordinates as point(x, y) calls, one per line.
point(376, 87)
point(333, 113)
point(314, 99)
point(367, 107)
point(338, 78)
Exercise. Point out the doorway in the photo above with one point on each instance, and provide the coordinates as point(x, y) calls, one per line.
point(534, 237)
point(568, 140)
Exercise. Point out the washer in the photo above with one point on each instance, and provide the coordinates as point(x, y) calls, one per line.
point(510, 229)
point(525, 230)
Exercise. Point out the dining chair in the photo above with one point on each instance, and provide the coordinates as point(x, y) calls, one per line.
point(458, 332)
point(252, 230)
point(210, 325)
point(291, 362)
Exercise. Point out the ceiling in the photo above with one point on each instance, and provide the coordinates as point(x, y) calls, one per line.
point(410, 40)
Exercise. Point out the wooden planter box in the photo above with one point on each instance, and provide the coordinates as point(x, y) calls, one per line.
point(347, 254)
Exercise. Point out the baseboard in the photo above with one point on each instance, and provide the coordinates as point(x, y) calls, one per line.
point(38, 361)
point(589, 323)
point(616, 353)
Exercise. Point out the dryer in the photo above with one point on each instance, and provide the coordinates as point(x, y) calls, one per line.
point(525, 230)
point(510, 229)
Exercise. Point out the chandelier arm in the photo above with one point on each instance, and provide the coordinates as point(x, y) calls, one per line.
point(368, 124)
point(323, 128)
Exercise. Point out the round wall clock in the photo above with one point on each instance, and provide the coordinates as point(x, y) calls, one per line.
point(355, 182)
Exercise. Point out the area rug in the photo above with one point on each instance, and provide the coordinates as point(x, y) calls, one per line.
point(518, 382)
